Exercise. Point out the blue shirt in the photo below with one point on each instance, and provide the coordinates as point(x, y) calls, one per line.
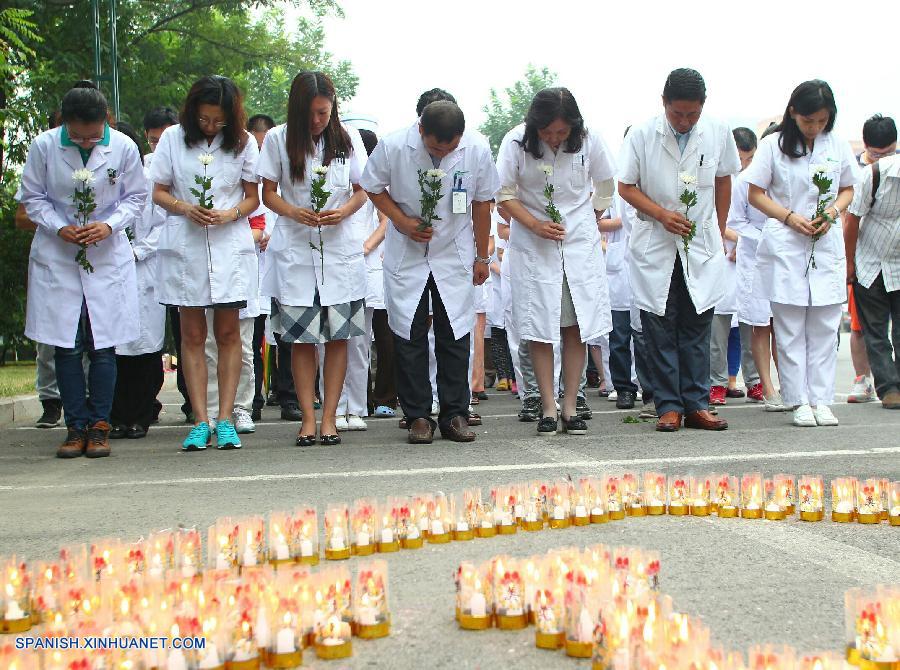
point(681, 138)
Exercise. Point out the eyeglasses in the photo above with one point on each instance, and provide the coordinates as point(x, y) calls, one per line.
point(877, 155)
point(203, 121)
point(76, 139)
point(153, 141)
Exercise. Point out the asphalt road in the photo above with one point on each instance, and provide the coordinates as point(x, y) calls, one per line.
point(751, 581)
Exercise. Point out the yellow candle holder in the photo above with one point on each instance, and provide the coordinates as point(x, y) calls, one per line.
point(843, 499)
point(894, 504)
point(785, 492)
point(411, 543)
point(507, 529)
point(371, 614)
point(752, 496)
point(811, 498)
point(486, 531)
point(774, 508)
point(440, 522)
point(532, 526)
point(552, 641)
point(15, 580)
point(869, 501)
point(474, 598)
point(363, 524)
point(612, 490)
point(464, 510)
point(580, 622)
point(337, 532)
point(579, 649)
point(679, 495)
point(334, 652)
point(252, 664)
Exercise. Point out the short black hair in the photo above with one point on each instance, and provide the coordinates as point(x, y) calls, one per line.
point(160, 117)
point(260, 122)
point(684, 84)
point(85, 103)
point(443, 120)
point(369, 138)
point(879, 131)
point(433, 95)
point(744, 138)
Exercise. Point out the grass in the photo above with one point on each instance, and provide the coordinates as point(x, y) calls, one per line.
point(16, 378)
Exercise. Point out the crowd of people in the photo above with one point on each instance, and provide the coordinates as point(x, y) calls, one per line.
point(375, 268)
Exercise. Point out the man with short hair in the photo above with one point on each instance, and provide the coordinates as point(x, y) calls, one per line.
point(678, 255)
point(442, 262)
point(872, 240)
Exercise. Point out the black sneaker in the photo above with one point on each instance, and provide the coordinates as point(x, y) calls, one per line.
point(256, 414)
point(547, 426)
point(582, 410)
point(51, 415)
point(291, 412)
point(531, 410)
point(626, 400)
point(118, 432)
point(574, 426)
point(272, 399)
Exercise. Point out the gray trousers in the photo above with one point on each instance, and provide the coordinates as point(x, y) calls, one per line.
point(45, 377)
point(718, 352)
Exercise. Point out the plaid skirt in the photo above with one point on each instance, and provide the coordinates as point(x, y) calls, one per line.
point(317, 324)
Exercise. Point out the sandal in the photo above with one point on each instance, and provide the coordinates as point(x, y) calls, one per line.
point(474, 400)
point(329, 440)
point(306, 440)
point(384, 411)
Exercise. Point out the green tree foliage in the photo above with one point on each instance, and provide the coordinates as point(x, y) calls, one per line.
point(506, 111)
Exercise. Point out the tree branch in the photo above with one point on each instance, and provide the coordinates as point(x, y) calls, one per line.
point(229, 47)
point(195, 6)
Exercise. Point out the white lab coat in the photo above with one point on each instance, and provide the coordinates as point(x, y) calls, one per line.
point(263, 304)
point(747, 222)
point(617, 258)
point(495, 301)
point(728, 304)
point(196, 270)
point(56, 283)
point(374, 261)
point(451, 253)
point(151, 315)
point(783, 253)
point(536, 273)
point(652, 161)
point(293, 267)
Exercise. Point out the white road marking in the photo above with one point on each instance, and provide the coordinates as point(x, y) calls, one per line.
point(511, 467)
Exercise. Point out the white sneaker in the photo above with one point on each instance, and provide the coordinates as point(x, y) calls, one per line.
point(435, 408)
point(804, 417)
point(355, 422)
point(862, 390)
point(613, 396)
point(341, 424)
point(774, 404)
point(824, 417)
point(243, 423)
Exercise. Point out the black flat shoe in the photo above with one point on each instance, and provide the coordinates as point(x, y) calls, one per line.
point(574, 426)
point(306, 440)
point(135, 432)
point(481, 395)
point(118, 432)
point(547, 426)
point(330, 440)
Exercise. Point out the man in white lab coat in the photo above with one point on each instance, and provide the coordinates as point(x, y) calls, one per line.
point(676, 276)
point(444, 262)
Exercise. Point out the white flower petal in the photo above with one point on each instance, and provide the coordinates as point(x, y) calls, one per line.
point(547, 169)
point(687, 178)
point(320, 170)
point(206, 159)
point(436, 174)
point(83, 175)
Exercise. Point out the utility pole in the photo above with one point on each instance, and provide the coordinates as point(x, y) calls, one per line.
point(113, 76)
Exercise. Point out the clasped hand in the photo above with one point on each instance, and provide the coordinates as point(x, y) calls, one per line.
point(92, 233)
point(327, 217)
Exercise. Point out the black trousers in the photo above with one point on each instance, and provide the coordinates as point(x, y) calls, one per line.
point(175, 326)
point(384, 390)
point(413, 385)
point(878, 308)
point(500, 353)
point(139, 380)
point(259, 332)
point(283, 379)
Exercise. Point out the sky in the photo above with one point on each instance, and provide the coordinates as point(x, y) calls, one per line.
point(614, 56)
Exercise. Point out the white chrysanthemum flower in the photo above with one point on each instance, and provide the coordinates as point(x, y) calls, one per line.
point(206, 159)
point(821, 168)
point(547, 170)
point(687, 179)
point(436, 174)
point(320, 170)
point(83, 175)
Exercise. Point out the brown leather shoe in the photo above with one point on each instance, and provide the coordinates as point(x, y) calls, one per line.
point(703, 420)
point(669, 422)
point(98, 440)
point(457, 430)
point(74, 445)
point(891, 400)
point(474, 419)
point(421, 431)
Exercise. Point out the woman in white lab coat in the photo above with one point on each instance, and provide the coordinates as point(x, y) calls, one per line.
point(139, 369)
point(316, 269)
point(89, 306)
point(206, 256)
point(558, 276)
point(805, 294)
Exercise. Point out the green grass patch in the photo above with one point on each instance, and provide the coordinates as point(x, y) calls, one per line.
point(16, 378)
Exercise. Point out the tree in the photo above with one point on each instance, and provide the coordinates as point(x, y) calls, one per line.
point(506, 112)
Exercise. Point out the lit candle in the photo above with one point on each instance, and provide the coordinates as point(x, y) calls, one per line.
point(362, 537)
point(176, 660)
point(580, 511)
point(437, 527)
point(333, 632)
point(284, 641)
point(413, 532)
point(387, 535)
point(263, 634)
point(211, 658)
point(249, 552)
point(337, 539)
point(559, 513)
point(187, 568)
point(478, 603)
point(306, 547)
point(585, 626)
point(13, 611)
point(462, 526)
point(222, 562)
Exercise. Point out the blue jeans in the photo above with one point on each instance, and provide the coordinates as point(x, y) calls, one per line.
point(80, 411)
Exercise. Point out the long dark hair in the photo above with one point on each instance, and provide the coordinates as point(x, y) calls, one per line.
point(547, 106)
point(307, 86)
point(808, 98)
point(221, 91)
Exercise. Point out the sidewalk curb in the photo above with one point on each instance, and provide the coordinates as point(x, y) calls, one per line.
point(27, 408)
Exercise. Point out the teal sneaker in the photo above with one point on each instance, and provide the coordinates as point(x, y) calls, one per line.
point(226, 435)
point(197, 439)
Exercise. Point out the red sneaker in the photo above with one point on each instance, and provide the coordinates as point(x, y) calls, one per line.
point(513, 387)
point(717, 395)
point(755, 393)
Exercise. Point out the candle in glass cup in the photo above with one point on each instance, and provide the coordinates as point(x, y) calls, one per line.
point(752, 496)
point(371, 613)
point(251, 541)
point(774, 507)
point(580, 621)
point(484, 519)
point(305, 532)
point(549, 616)
point(337, 532)
point(700, 495)
point(679, 495)
point(410, 535)
point(509, 594)
point(655, 493)
point(474, 599)
point(503, 499)
point(420, 506)
point(15, 615)
point(223, 544)
point(726, 496)
point(188, 552)
point(286, 639)
point(533, 504)
point(894, 504)
point(107, 559)
point(843, 500)
point(281, 551)
point(612, 488)
point(869, 501)
point(785, 490)
point(632, 496)
point(160, 553)
point(388, 531)
point(462, 524)
point(811, 498)
point(559, 504)
point(362, 527)
point(439, 520)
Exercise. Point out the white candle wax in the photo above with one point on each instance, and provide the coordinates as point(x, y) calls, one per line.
point(387, 536)
point(50, 596)
point(337, 541)
point(188, 570)
point(580, 510)
point(531, 517)
point(423, 523)
point(437, 527)
point(462, 527)
point(412, 533)
point(284, 642)
point(282, 552)
point(362, 539)
point(844, 507)
point(13, 611)
point(895, 510)
point(211, 658)
point(244, 651)
point(700, 502)
point(559, 513)
point(249, 557)
point(773, 507)
point(486, 523)
point(306, 547)
point(676, 503)
point(753, 505)
point(222, 562)
point(367, 616)
point(478, 604)
point(585, 627)
point(613, 505)
point(597, 511)
point(262, 631)
point(176, 660)
point(519, 510)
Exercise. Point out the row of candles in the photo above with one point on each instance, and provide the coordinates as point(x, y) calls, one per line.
point(605, 604)
point(258, 617)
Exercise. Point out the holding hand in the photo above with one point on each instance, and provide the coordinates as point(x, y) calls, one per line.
point(94, 232)
point(197, 214)
point(410, 227)
point(549, 230)
point(218, 217)
point(331, 217)
point(305, 216)
point(480, 273)
point(801, 224)
point(675, 223)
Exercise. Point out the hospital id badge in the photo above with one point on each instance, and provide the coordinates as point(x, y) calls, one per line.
point(460, 204)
